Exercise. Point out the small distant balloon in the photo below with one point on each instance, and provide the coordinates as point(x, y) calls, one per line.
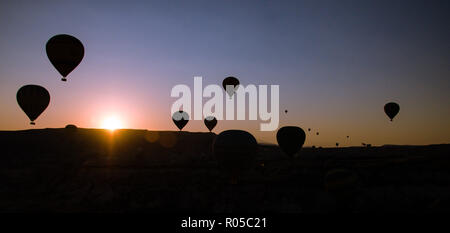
point(233, 83)
point(309, 129)
point(391, 109)
point(33, 100)
point(291, 139)
point(180, 118)
point(317, 133)
point(348, 136)
point(71, 128)
point(65, 52)
point(337, 143)
point(286, 111)
point(210, 122)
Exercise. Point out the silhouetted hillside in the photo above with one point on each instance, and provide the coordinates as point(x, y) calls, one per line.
point(96, 170)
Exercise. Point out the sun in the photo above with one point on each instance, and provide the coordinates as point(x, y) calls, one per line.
point(112, 123)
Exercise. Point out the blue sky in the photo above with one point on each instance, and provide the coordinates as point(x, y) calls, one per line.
point(337, 62)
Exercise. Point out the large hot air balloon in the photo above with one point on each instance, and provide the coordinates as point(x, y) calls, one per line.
point(235, 151)
point(210, 122)
point(291, 139)
point(391, 109)
point(65, 52)
point(33, 100)
point(230, 81)
point(180, 119)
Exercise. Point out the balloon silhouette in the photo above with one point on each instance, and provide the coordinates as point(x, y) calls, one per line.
point(230, 81)
point(65, 52)
point(391, 109)
point(180, 119)
point(291, 139)
point(286, 111)
point(71, 126)
point(235, 151)
point(337, 143)
point(33, 100)
point(210, 122)
point(309, 129)
point(317, 133)
point(348, 136)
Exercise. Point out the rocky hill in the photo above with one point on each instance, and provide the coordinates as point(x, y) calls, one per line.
point(94, 170)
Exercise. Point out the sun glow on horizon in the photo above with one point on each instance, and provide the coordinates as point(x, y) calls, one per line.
point(112, 123)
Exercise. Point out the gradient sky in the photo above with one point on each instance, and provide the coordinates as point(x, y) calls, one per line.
point(337, 63)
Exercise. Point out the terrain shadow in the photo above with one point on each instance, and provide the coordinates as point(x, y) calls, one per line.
point(94, 170)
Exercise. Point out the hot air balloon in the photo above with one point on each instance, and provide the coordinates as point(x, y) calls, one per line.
point(286, 111)
point(65, 52)
point(291, 139)
point(180, 119)
point(210, 122)
point(309, 129)
point(337, 144)
point(317, 133)
point(71, 126)
point(230, 81)
point(235, 151)
point(348, 136)
point(391, 109)
point(33, 100)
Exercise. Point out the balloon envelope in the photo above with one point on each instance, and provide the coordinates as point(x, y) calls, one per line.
point(33, 100)
point(391, 109)
point(235, 151)
point(230, 81)
point(180, 119)
point(65, 52)
point(291, 139)
point(210, 122)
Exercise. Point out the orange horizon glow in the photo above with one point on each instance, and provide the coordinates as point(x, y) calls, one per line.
point(112, 123)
